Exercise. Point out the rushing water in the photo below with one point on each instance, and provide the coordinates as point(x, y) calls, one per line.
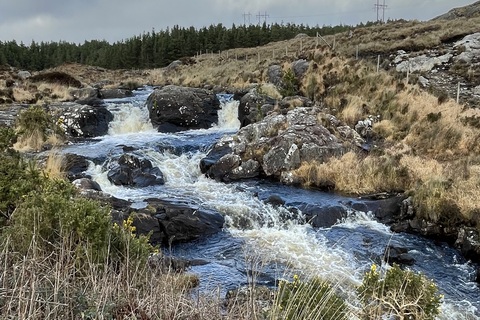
point(272, 246)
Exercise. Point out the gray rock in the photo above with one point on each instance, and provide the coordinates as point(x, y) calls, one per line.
point(129, 170)
point(424, 82)
point(180, 222)
point(174, 108)
point(81, 121)
point(423, 63)
point(86, 184)
point(281, 158)
point(471, 45)
point(24, 75)
point(476, 90)
point(275, 75)
point(174, 65)
point(114, 93)
point(300, 67)
point(249, 110)
point(468, 242)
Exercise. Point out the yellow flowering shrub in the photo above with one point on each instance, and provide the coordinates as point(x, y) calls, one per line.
point(401, 293)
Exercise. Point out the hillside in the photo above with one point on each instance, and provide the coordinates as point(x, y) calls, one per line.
point(470, 11)
point(420, 141)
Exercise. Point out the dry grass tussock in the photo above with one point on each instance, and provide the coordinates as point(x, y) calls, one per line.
point(355, 174)
point(49, 287)
point(54, 166)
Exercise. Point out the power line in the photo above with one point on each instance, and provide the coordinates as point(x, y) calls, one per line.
point(245, 15)
point(379, 7)
point(264, 16)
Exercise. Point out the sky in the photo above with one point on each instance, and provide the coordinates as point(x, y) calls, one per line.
point(114, 20)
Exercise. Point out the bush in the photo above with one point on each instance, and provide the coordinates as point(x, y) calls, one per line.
point(290, 84)
point(17, 177)
point(52, 215)
point(35, 125)
point(398, 293)
point(312, 299)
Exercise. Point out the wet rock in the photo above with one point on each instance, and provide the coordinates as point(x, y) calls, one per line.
point(114, 93)
point(9, 114)
point(323, 216)
point(132, 171)
point(387, 208)
point(246, 170)
point(221, 169)
point(81, 121)
point(75, 166)
point(219, 150)
point(398, 255)
point(275, 201)
point(165, 264)
point(180, 222)
point(174, 108)
point(86, 184)
point(468, 242)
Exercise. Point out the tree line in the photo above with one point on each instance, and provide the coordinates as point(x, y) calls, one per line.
point(152, 49)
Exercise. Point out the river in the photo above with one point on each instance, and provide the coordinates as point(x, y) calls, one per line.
point(275, 244)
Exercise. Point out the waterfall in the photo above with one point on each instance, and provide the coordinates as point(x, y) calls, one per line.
point(129, 118)
point(228, 114)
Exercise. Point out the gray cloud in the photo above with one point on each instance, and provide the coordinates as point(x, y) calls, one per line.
point(77, 21)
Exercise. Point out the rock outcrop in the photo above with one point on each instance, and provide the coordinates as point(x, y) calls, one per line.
point(81, 121)
point(277, 145)
point(174, 108)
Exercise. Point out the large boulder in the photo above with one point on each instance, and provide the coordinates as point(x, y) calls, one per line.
point(470, 46)
point(300, 67)
point(173, 108)
point(81, 121)
point(422, 63)
point(275, 75)
point(180, 222)
point(129, 170)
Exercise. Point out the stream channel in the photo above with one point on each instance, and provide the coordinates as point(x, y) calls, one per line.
point(273, 247)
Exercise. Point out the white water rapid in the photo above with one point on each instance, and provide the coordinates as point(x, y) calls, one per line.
point(255, 229)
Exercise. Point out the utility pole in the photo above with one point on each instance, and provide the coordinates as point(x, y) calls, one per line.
point(245, 15)
point(379, 7)
point(264, 16)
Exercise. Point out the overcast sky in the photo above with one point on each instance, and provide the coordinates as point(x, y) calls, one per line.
point(114, 20)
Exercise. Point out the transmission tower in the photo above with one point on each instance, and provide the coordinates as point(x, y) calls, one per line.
point(381, 7)
point(264, 16)
point(245, 17)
